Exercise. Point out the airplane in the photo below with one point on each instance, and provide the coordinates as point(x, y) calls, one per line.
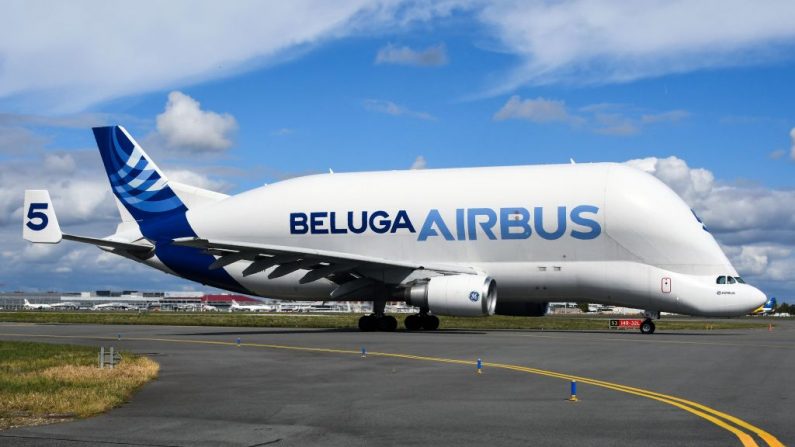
point(766, 309)
point(208, 308)
point(447, 241)
point(29, 306)
point(65, 305)
point(113, 306)
point(235, 307)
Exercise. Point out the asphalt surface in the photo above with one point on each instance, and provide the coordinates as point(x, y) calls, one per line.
point(219, 394)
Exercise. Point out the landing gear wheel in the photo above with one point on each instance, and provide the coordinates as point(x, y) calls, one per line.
point(647, 327)
point(387, 323)
point(368, 323)
point(430, 322)
point(413, 323)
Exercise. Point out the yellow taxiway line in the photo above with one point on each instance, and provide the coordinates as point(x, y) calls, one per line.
point(712, 415)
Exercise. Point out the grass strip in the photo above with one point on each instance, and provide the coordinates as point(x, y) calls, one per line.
point(350, 321)
point(42, 383)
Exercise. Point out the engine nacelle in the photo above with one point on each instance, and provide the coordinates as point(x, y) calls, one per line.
point(455, 295)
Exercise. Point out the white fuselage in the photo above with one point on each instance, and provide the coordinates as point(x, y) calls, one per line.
point(628, 240)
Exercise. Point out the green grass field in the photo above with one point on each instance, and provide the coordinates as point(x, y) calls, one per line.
point(42, 383)
point(350, 321)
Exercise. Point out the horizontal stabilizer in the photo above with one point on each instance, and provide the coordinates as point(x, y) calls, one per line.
point(106, 243)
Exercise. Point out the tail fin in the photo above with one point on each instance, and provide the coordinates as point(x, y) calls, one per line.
point(39, 222)
point(27, 303)
point(135, 179)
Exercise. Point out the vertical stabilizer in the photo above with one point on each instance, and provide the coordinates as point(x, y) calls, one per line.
point(39, 223)
point(136, 180)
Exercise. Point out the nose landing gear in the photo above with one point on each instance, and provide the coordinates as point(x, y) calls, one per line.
point(647, 326)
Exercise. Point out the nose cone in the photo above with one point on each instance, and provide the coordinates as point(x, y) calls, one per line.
point(756, 297)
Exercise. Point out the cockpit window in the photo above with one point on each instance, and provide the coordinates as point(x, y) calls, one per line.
point(730, 280)
point(721, 280)
point(739, 280)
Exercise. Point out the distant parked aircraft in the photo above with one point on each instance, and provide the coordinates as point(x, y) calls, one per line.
point(766, 309)
point(208, 308)
point(29, 306)
point(65, 305)
point(235, 307)
point(114, 306)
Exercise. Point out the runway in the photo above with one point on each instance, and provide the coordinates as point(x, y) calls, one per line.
point(313, 387)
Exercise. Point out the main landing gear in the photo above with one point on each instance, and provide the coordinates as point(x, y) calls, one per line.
point(378, 321)
point(373, 322)
point(422, 321)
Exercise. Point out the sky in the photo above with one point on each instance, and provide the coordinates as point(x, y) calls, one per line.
point(232, 95)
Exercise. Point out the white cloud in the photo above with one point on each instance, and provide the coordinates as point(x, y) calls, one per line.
point(753, 224)
point(756, 259)
point(99, 53)
point(197, 179)
point(670, 116)
point(693, 185)
point(582, 41)
point(539, 110)
point(602, 118)
point(432, 56)
point(185, 125)
point(57, 163)
point(171, 44)
point(792, 138)
point(390, 108)
point(615, 124)
point(16, 140)
point(419, 163)
point(77, 183)
point(283, 132)
point(84, 204)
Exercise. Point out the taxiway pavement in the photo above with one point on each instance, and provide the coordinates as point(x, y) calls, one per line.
point(302, 387)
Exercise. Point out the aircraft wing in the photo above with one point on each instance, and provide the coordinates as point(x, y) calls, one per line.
point(352, 271)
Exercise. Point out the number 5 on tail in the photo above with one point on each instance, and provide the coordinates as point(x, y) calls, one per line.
point(39, 221)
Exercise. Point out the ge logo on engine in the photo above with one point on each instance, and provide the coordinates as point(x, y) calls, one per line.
point(474, 296)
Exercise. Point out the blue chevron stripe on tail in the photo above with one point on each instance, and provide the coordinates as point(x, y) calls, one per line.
point(135, 179)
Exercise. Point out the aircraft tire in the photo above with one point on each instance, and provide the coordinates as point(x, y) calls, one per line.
point(430, 322)
point(647, 327)
point(387, 323)
point(413, 323)
point(368, 323)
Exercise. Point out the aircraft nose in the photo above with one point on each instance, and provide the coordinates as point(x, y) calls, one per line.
point(757, 297)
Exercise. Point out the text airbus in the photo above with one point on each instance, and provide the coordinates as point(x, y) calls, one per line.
point(468, 224)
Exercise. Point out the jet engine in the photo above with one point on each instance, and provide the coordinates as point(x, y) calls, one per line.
point(454, 295)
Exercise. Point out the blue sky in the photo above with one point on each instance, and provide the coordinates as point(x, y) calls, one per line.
point(701, 97)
